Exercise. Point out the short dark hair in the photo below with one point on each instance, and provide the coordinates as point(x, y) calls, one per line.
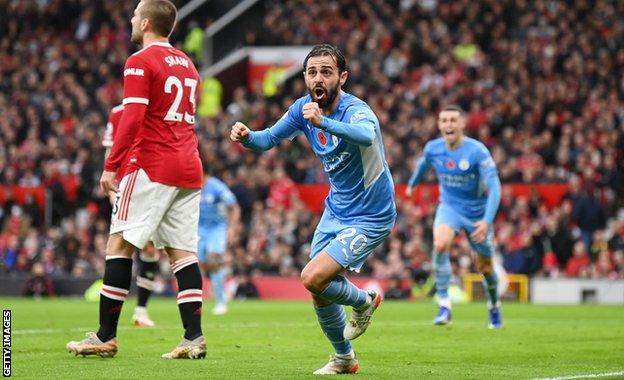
point(455, 107)
point(326, 49)
point(162, 14)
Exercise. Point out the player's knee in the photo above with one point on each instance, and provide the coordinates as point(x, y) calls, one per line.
point(212, 263)
point(117, 246)
point(484, 266)
point(441, 246)
point(312, 280)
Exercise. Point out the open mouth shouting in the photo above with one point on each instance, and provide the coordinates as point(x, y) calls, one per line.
point(449, 133)
point(320, 94)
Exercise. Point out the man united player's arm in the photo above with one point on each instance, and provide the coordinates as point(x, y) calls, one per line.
point(128, 127)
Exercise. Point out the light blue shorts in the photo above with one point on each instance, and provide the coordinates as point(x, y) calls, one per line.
point(349, 245)
point(212, 240)
point(447, 215)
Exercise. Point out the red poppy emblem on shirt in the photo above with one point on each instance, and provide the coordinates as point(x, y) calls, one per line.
point(450, 164)
point(322, 138)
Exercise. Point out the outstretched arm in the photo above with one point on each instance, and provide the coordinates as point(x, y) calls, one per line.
point(286, 127)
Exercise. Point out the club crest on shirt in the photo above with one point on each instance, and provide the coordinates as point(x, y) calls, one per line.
point(322, 138)
point(450, 164)
point(463, 164)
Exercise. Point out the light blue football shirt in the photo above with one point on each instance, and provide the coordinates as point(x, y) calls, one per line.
point(464, 174)
point(361, 186)
point(214, 198)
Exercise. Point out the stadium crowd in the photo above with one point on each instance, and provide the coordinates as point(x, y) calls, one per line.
point(542, 81)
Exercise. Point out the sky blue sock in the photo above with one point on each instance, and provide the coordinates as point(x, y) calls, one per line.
point(442, 273)
point(343, 292)
point(333, 320)
point(217, 279)
point(490, 283)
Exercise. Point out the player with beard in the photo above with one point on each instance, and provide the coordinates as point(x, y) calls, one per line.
point(345, 135)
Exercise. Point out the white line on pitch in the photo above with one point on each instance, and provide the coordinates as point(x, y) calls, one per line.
point(588, 376)
point(211, 326)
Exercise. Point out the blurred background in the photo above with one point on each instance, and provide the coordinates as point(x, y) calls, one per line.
point(542, 83)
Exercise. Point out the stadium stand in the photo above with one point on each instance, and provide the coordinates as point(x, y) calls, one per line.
point(551, 111)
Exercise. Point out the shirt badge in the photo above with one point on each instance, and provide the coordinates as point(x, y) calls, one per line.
point(463, 164)
point(450, 164)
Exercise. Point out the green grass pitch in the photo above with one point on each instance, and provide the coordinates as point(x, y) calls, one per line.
point(281, 340)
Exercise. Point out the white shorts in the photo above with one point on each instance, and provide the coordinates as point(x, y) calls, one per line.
point(146, 210)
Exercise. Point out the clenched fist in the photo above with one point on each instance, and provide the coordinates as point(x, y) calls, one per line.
point(312, 112)
point(239, 132)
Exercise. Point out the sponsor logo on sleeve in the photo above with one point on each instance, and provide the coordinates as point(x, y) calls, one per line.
point(487, 163)
point(357, 116)
point(134, 71)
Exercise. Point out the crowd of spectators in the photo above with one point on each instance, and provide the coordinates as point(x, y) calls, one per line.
point(542, 81)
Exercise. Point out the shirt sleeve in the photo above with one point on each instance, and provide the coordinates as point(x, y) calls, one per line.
point(489, 175)
point(287, 127)
point(107, 139)
point(359, 130)
point(227, 196)
point(136, 81)
point(129, 125)
point(422, 165)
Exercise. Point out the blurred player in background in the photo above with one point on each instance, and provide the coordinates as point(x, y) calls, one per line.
point(217, 210)
point(158, 198)
point(148, 256)
point(360, 210)
point(465, 169)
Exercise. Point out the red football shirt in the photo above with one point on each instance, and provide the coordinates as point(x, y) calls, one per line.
point(165, 146)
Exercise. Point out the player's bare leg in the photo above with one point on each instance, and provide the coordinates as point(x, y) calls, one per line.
point(213, 268)
point(117, 277)
point(442, 239)
point(148, 259)
point(490, 283)
point(185, 266)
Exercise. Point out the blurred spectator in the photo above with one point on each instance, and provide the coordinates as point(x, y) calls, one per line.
point(588, 215)
point(39, 284)
point(395, 291)
point(551, 112)
point(246, 289)
point(579, 262)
